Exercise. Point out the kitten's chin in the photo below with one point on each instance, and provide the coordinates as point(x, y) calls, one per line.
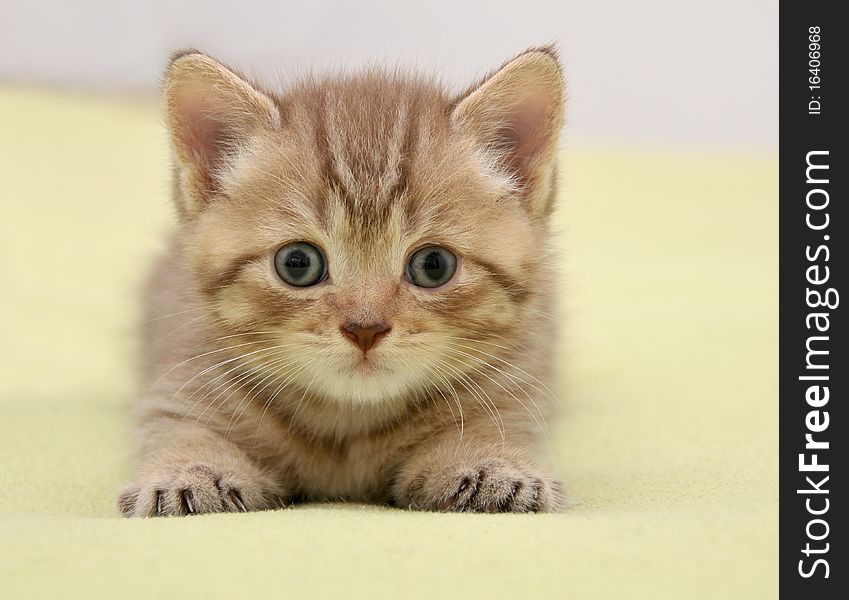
point(366, 382)
point(367, 369)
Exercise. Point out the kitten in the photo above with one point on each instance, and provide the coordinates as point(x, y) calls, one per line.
point(350, 307)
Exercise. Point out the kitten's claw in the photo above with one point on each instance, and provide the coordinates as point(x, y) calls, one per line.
point(235, 499)
point(186, 497)
point(197, 489)
point(492, 485)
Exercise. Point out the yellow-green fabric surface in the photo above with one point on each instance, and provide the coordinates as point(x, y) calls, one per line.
point(667, 438)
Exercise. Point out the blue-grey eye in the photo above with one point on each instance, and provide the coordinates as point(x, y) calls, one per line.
point(431, 267)
point(300, 264)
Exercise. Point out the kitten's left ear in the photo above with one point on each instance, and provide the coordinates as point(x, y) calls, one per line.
point(211, 112)
point(517, 113)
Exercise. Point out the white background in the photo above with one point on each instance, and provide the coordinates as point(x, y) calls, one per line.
point(666, 72)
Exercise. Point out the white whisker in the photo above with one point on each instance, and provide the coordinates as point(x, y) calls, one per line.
point(181, 312)
point(539, 423)
point(550, 393)
point(254, 393)
point(487, 404)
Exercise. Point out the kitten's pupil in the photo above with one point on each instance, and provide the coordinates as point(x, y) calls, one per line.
point(433, 265)
point(298, 263)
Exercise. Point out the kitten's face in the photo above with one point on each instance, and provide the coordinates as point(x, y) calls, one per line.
point(361, 175)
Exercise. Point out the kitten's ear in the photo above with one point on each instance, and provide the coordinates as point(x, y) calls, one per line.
point(211, 113)
point(517, 113)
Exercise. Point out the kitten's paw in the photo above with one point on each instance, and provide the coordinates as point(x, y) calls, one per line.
point(492, 485)
point(198, 488)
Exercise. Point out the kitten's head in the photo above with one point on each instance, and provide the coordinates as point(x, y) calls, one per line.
point(374, 228)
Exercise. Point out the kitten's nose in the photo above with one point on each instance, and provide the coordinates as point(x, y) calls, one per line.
point(365, 337)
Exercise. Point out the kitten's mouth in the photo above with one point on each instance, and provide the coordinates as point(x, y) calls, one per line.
point(365, 365)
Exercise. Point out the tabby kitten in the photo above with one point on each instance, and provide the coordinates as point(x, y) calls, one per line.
point(351, 305)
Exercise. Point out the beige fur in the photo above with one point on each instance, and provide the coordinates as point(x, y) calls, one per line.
point(253, 398)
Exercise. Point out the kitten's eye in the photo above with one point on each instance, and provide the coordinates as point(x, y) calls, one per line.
point(300, 264)
point(431, 267)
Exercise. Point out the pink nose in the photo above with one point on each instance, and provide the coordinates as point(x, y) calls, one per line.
point(365, 337)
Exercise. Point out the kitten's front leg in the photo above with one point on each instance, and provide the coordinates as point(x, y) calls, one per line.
point(475, 477)
point(188, 469)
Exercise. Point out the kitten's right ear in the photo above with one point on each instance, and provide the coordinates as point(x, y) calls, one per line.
point(516, 114)
point(211, 113)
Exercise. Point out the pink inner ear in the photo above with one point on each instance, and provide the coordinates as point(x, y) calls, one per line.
point(530, 127)
point(200, 131)
point(526, 132)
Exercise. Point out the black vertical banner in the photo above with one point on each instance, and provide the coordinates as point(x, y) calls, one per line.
point(814, 371)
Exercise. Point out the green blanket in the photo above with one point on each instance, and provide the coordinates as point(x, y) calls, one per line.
point(667, 439)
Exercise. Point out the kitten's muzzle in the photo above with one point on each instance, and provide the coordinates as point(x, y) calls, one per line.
point(365, 337)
